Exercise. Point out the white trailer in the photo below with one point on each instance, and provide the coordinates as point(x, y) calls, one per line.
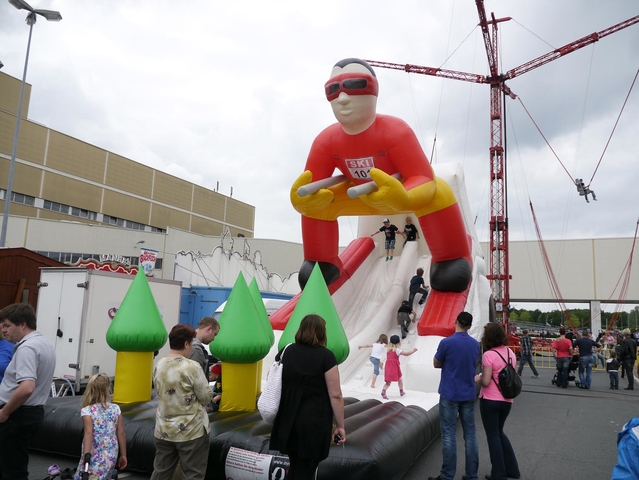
point(76, 307)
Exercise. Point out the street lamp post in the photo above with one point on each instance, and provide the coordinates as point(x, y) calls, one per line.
point(51, 16)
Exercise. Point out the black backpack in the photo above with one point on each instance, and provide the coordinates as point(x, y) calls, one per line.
point(509, 382)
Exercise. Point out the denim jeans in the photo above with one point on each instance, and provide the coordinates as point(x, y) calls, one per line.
point(375, 361)
point(15, 435)
point(563, 364)
point(585, 363)
point(448, 411)
point(527, 359)
point(502, 456)
point(411, 296)
point(614, 380)
point(600, 357)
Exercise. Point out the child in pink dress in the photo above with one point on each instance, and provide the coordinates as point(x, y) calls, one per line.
point(392, 371)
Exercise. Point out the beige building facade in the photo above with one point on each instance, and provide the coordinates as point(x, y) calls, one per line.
point(58, 177)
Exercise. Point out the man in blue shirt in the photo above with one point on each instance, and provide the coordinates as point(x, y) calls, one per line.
point(457, 357)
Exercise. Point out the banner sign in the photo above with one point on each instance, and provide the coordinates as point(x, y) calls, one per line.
point(246, 465)
point(147, 259)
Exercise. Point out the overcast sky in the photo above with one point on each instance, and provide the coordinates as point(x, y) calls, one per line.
point(232, 92)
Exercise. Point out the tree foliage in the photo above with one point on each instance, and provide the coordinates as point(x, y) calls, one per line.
point(580, 318)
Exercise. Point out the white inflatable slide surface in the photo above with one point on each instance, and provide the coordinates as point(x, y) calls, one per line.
point(367, 305)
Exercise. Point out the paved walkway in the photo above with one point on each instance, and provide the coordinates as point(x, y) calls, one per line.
point(557, 433)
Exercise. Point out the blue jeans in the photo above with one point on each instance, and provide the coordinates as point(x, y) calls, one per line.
point(614, 380)
point(502, 456)
point(375, 361)
point(448, 411)
point(585, 363)
point(411, 296)
point(563, 364)
point(527, 359)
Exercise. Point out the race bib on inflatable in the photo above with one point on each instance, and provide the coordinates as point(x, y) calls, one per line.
point(360, 168)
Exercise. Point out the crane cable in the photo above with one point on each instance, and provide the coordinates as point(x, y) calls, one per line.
point(441, 91)
point(554, 285)
point(607, 143)
point(626, 281)
point(613, 129)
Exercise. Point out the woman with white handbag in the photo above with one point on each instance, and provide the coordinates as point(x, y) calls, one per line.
point(311, 412)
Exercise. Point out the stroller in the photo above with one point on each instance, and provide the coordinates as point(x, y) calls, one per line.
point(572, 368)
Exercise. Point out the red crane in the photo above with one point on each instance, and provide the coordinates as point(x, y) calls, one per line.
point(499, 273)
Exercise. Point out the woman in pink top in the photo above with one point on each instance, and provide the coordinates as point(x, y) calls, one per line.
point(562, 351)
point(493, 407)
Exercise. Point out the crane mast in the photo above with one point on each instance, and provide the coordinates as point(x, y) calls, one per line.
point(499, 267)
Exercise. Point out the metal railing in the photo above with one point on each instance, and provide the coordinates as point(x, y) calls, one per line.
point(542, 357)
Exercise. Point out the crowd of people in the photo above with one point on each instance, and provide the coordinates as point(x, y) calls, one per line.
point(457, 356)
point(181, 379)
point(613, 352)
point(187, 388)
point(311, 413)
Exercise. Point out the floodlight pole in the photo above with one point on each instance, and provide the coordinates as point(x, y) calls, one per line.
point(31, 20)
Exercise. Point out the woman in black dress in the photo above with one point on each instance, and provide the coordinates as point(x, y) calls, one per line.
point(311, 401)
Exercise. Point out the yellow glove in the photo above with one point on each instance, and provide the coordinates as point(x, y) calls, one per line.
point(392, 196)
point(312, 203)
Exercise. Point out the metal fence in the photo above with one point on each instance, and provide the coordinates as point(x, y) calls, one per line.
point(543, 358)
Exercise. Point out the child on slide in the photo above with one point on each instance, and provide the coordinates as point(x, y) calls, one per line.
point(393, 372)
point(376, 355)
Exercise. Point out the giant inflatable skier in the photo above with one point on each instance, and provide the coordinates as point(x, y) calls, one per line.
point(385, 172)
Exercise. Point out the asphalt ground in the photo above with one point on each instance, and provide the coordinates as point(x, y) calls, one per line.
point(557, 433)
point(563, 434)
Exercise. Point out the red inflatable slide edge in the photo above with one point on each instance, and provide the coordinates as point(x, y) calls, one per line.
point(352, 258)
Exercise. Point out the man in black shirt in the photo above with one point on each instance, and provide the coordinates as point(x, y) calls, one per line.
point(628, 357)
point(585, 344)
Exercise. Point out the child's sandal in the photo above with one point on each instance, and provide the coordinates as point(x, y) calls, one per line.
point(402, 393)
point(384, 395)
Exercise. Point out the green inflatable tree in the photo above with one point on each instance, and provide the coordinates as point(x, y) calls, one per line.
point(259, 304)
point(316, 299)
point(244, 336)
point(137, 325)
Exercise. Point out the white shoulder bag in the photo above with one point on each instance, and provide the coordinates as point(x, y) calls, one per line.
point(269, 401)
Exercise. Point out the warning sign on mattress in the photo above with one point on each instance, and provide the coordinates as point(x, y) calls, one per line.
point(246, 465)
